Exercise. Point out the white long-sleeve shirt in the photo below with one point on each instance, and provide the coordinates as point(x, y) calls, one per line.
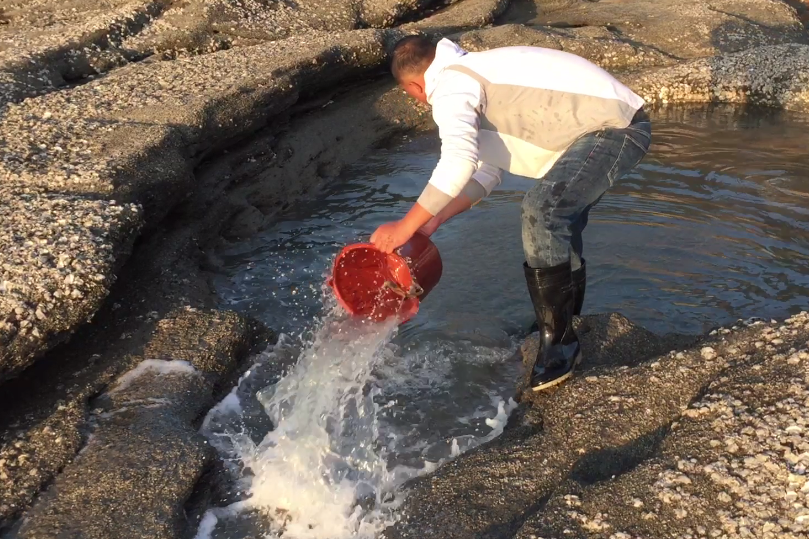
point(515, 109)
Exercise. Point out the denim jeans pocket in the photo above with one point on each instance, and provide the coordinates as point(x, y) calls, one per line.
point(632, 152)
point(640, 134)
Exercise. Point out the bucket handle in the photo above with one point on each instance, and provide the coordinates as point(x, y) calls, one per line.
point(415, 289)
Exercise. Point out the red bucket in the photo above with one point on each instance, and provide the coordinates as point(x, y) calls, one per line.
point(372, 284)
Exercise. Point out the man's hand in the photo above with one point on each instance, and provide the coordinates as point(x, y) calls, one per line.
point(391, 236)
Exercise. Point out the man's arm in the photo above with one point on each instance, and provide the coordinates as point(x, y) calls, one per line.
point(455, 111)
point(483, 181)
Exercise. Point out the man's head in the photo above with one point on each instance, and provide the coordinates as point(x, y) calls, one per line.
point(412, 55)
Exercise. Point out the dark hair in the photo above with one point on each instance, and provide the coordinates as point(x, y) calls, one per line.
point(411, 54)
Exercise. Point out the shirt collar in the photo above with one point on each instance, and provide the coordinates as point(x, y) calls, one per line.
point(446, 53)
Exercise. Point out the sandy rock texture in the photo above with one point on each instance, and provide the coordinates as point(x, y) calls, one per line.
point(138, 437)
point(135, 135)
point(48, 44)
point(598, 44)
point(143, 437)
point(703, 441)
point(54, 399)
point(60, 256)
point(776, 76)
point(771, 76)
point(681, 28)
point(45, 44)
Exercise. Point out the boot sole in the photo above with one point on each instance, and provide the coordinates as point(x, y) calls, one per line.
point(561, 379)
point(553, 382)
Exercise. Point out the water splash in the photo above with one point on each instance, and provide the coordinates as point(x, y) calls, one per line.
point(323, 456)
point(332, 466)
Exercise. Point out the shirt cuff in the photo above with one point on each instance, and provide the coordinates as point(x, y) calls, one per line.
point(474, 190)
point(434, 199)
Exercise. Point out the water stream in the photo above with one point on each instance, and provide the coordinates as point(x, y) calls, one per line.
point(712, 227)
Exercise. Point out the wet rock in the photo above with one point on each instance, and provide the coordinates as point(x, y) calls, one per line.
point(144, 455)
point(31, 457)
point(776, 76)
point(598, 44)
point(576, 461)
point(613, 340)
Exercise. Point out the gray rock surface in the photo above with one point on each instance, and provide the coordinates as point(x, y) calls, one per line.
point(630, 450)
point(46, 44)
point(776, 76)
point(773, 76)
point(733, 465)
point(475, 13)
point(49, 44)
point(144, 455)
point(59, 257)
point(106, 113)
point(136, 134)
point(164, 275)
point(598, 44)
point(681, 28)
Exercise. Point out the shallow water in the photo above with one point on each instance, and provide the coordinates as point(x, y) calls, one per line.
point(710, 228)
point(713, 226)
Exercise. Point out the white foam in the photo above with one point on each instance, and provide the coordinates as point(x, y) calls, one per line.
point(207, 525)
point(150, 402)
point(322, 456)
point(230, 404)
point(499, 421)
point(155, 366)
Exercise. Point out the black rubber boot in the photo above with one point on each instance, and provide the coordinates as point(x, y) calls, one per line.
point(580, 284)
point(553, 295)
point(579, 277)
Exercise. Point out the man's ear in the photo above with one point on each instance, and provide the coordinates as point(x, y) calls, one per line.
point(416, 87)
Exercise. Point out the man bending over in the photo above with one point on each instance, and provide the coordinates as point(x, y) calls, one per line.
point(539, 113)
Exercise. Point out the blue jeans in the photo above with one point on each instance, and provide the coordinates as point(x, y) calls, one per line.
point(555, 210)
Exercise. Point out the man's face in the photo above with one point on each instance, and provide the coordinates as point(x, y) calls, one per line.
point(414, 86)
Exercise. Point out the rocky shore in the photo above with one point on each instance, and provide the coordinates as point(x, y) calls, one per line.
point(136, 134)
point(659, 437)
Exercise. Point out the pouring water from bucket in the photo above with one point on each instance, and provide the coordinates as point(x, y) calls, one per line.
point(369, 283)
